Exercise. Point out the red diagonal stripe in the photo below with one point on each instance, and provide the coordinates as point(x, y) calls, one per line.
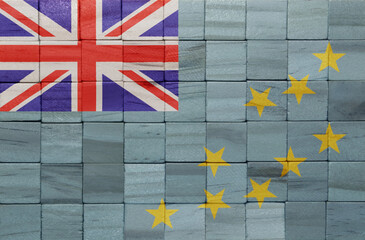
point(137, 18)
point(151, 88)
point(32, 90)
point(24, 19)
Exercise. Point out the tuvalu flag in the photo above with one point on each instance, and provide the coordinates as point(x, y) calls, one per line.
point(182, 119)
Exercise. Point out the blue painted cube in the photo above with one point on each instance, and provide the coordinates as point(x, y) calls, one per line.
point(144, 143)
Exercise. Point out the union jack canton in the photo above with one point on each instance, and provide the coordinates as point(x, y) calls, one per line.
point(89, 55)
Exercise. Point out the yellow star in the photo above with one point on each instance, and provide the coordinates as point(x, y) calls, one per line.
point(329, 58)
point(260, 192)
point(290, 163)
point(162, 215)
point(329, 139)
point(299, 88)
point(214, 160)
point(260, 100)
point(214, 202)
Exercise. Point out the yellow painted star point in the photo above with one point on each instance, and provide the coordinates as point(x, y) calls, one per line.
point(162, 215)
point(329, 139)
point(299, 88)
point(260, 192)
point(214, 160)
point(290, 163)
point(260, 100)
point(329, 58)
point(214, 202)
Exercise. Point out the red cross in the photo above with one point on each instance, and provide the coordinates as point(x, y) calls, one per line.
point(86, 53)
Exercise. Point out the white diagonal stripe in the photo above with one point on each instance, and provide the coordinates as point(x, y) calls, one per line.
point(144, 95)
point(166, 91)
point(33, 66)
point(144, 25)
point(58, 31)
point(26, 10)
